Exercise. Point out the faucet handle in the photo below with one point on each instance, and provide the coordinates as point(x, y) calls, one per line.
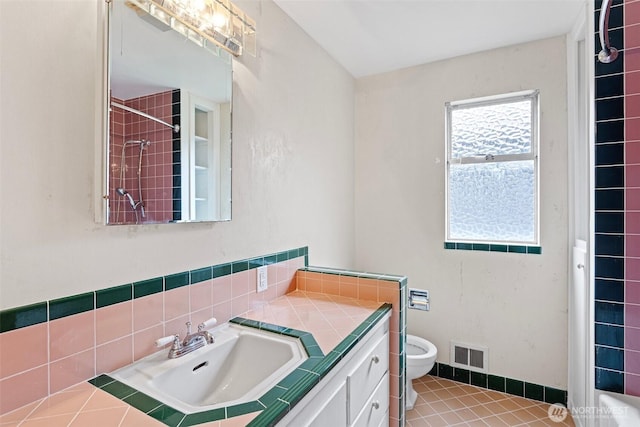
point(161, 342)
point(207, 324)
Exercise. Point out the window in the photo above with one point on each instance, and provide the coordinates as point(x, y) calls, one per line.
point(492, 169)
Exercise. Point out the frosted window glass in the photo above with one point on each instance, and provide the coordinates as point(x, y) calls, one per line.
point(491, 129)
point(492, 201)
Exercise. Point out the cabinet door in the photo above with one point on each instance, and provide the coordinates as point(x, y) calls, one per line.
point(376, 409)
point(366, 376)
point(334, 412)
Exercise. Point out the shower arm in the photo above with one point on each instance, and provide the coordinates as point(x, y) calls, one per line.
point(608, 53)
point(176, 128)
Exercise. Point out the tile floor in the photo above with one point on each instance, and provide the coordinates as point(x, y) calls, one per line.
point(443, 402)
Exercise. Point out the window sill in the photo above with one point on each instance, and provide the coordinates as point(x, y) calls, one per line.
point(518, 249)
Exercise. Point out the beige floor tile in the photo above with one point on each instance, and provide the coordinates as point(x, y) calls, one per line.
point(455, 404)
point(452, 418)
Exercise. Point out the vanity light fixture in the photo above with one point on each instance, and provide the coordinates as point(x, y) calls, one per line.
point(212, 24)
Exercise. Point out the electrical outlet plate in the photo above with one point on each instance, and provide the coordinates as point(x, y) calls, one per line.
point(261, 279)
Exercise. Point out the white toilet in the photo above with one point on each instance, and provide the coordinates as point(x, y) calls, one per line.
point(421, 355)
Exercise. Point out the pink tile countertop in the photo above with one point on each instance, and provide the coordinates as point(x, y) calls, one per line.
point(329, 318)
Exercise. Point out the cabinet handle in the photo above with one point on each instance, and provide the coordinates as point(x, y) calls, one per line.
point(375, 359)
point(375, 404)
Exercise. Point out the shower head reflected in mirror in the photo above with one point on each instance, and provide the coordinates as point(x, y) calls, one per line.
point(123, 192)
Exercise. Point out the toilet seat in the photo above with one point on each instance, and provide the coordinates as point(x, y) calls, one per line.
point(418, 348)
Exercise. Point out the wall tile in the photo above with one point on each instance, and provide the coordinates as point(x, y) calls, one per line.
point(72, 370)
point(148, 311)
point(114, 355)
point(609, 154)
point(176, 326)
point(612, 131)
point(609, 290)
point(14, 358)
point(631, 34)
point(15, 394)
point(222, 289)
point(632, 292)
point(632, 127)
point(201, 295)
point(176, 302)
point(240, 283)
point(70, 335)
point(632, 153)
point(632, 362)
point(609, 335)
point(610, 222)
point(632, 176)
point(632, 384)
point(632, 269)
point(114, 321)
point(632, 315)
point(144, 341)
point(610, 358)
point(609, 380)
point(632, 244)
point(632, 196)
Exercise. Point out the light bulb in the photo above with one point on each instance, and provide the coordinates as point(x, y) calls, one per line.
point(218, 20)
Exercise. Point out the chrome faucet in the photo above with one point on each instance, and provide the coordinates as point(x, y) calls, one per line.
point(191, 342)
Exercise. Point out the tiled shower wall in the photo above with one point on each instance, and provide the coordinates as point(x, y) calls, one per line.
point(157, 178)
point(49, 346)
point(617, 205)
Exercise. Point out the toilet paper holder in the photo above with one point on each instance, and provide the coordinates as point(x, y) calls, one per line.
point(419, 299)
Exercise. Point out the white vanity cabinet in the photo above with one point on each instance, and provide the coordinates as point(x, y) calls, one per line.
point(355, 392)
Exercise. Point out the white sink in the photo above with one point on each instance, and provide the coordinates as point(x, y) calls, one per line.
point(242, 365)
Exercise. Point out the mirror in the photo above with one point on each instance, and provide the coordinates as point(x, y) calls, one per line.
point(169, 139)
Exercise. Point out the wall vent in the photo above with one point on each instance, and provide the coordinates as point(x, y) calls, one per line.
point(471, 357)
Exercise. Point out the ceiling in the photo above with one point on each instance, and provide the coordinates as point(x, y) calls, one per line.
point(374, 36)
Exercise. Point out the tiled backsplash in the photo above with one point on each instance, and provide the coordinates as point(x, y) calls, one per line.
point(372, 287)
point(49, 346)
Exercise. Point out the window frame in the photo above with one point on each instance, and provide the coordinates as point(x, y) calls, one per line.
point(534, 97)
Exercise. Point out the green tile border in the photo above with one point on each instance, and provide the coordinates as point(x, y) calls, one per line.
point(486, 247)
point(115, 295)
point(40, 312)
point(315, 367)
point(68, 306)
point(21, 317)
point(503, 384)
point(201, 274)
point(175, 281)
point(402, 280)
point(148, 287)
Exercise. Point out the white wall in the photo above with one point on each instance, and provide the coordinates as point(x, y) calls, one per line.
point(514, 304)
point(293, 118)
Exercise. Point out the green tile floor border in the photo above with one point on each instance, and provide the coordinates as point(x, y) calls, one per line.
point(32, 314)
point(275, 403)
point(497, 383)
point(518, 249)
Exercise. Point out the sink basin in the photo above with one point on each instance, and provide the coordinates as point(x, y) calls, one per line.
point(242, 365)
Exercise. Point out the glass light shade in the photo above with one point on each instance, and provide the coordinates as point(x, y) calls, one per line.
point(206, 22)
